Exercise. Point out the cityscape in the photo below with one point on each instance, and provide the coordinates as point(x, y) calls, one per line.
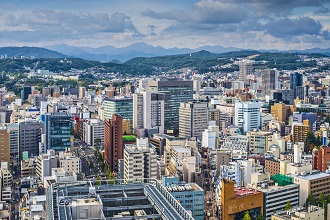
point(177, 110)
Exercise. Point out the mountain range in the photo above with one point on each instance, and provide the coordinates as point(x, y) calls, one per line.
point(119, 55)
point(111, 53)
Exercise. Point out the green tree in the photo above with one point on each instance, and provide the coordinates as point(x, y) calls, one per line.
point(310, 200)
point(247, 216)
point(288, 206)
point(98, 180)
point(260, 217)
point(310, 142)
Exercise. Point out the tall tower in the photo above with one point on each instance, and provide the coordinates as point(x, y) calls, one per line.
point(296, 80)
point(113, 142)
point(245, 68)
point(175, 91)
point(268, 81)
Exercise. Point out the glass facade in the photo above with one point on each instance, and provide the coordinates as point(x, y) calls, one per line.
point(122, 106)
point(58, 131)
point(175, 91)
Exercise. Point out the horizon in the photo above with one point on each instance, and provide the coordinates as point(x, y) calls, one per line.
point(246, 24)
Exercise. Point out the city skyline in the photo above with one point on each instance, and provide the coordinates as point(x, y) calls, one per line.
point(249, 24)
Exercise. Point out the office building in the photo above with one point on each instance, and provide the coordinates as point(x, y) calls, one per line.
point(190, 195)
point(300, 131)
point(175, 91)
point(282, 112)
point(133, 200)
point(268, 81)
point(258, 141)
point(69, 162)
point(245, 68)
point(26, 91)
point(113, 142)
point(140, 161)
point(321, 158)
point(312, 182)
point(236, 201)
point(148, 114)
point(57, 130)
point(4, 146)
point(278, 192)
point(296, 79)
point(120, 105)
point(93, 132)
point(299, 117)
point(45, 164)
point(29, 137)
point(82, 92)
point(193, 119)
point(247, 115)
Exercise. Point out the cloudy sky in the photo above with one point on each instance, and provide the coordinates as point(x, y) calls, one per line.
point(255, 24)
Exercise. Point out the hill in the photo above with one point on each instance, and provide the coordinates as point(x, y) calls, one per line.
point(36, 52)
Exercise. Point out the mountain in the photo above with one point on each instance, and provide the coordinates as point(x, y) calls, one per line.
point(108, 53)
point(36, 52)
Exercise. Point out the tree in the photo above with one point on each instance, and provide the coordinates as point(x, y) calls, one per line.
point(247, 216)
point(260, 217)
point(288, 206)
point(98, 180)
point(310, 200)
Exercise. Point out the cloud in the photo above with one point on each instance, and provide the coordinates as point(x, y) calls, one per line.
point(287, 27)
point(206, 14)
point(80, 23)
point(323, 10)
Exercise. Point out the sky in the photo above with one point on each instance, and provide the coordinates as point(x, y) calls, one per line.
point(249, 24)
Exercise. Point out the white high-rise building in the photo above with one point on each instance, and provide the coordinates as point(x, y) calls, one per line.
point(140, 161)
point(93, 132)
point(209, 139)
point(148, 113)
point(193, 119)
point(247, 115)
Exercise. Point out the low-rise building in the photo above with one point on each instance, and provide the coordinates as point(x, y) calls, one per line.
point(300, 213)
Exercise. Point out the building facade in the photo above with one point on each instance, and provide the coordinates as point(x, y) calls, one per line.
point(175, 91)
point(193, 119)
point(247, 115)
point(113, 142)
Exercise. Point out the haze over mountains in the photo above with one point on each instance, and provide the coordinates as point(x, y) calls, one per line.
point(109, 53)
point(115, 54)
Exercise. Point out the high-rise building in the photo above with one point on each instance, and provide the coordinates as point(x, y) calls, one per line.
point(175, 91)
point(282, 112)
point(26, 91)
point(140, 161)
point(4, 146)
point(45, 164)
point(93, 131)
point(296, 80)
point(148, 113)
point(82, 92)
point(120, 105)
point(193, 119)
point(113, 142)
point(29, 137)
point(245, 68)
point(268, 81)
point(300, 131)
point(57, 130)
point(321, 158)
point(247, 115)
point(302, 92)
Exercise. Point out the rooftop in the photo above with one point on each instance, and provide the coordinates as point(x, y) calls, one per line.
point(244, 191)
point(129, 138)
point(149, 196)
point(313, 175)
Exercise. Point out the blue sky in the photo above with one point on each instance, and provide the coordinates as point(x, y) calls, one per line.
point(254, 24)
